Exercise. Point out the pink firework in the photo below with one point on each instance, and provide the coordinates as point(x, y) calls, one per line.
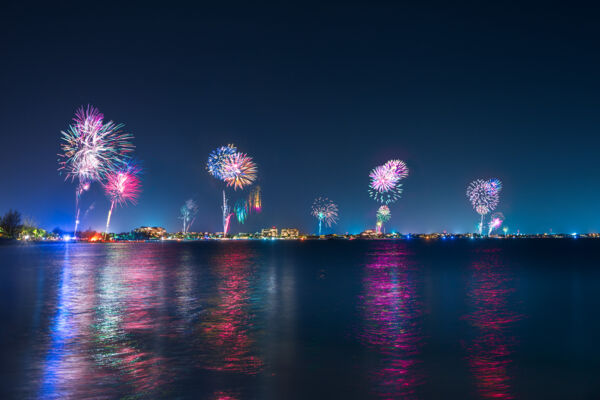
point(123, 186)
point(398, 167)
point(383, 178)
point(88, 120)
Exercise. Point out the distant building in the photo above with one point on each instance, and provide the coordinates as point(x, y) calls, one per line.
point(369, 233)
point(151, 232)
point(289, 233)
point(269, 232)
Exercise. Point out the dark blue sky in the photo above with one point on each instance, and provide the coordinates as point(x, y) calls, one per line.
point(318, 95)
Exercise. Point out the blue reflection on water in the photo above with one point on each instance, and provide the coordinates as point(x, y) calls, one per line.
point(62, 331)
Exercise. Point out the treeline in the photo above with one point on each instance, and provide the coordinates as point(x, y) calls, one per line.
point(14, 226)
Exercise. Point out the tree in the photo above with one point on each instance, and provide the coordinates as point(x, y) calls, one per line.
point(11, 223)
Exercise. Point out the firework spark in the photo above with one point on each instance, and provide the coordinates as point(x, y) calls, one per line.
point(239, 170)
point(326, 211)
point(217, 158)
point(122, 187)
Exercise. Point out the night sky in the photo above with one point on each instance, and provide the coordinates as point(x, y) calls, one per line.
point(318, 95)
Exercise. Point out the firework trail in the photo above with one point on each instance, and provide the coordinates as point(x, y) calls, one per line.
point(122, 187)
point(326, 211)
point(385, 186)
point(383, 215)
point(226, 215)
point(91, 149)
point(241, 211)
point(496, 221)
point(188, 214)
point(216, 160)
point(81, 187)
point(90, 208)
point(239, 170)
point(484, 196)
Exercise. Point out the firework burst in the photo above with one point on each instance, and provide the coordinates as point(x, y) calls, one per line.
point(326, 211)
point(91, 149)
point(217, 158)
point(239, 170)
point(484, 196)
point(385, 186)
point(122, 187)
point(384, 214)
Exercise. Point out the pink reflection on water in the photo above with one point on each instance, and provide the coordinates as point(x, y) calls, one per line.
point(492, 316)
point(229, 323)
point(391, 310)
point(129, 318)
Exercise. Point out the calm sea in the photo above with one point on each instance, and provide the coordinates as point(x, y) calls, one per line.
point(446, 319)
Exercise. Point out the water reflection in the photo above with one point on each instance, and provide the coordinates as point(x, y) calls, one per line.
point(391, 310)
point(65, 368)
point(130, 319)
point(228, 323)
point(103, 338)
point(492, 317)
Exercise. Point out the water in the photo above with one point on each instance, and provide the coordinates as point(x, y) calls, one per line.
point(301, 320)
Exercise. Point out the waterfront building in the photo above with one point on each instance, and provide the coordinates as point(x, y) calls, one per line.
point(269, 232)
point(289, 233)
